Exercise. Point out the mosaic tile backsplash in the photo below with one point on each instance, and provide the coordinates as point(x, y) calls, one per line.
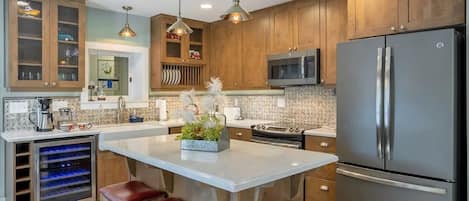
point(303, 105)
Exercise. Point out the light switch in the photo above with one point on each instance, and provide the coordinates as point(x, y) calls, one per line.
point(281, 102)
point(18, 107)
point(56, 105)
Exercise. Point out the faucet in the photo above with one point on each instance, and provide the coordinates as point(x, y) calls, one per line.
point(120, 108)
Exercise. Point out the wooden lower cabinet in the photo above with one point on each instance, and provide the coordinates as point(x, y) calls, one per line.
point(319, 189)
point(320, 183)
point(240, 134)
point(111, 169)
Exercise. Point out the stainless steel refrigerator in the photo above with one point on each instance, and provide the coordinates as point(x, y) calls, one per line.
point(399, 117)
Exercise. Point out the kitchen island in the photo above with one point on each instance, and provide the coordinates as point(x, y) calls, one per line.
point(246, 171)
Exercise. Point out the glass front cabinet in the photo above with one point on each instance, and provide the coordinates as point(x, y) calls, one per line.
point(47, 44)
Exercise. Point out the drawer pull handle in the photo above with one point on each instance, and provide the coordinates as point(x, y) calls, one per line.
point(239, 134)
point(324, 188)
point(324, 144)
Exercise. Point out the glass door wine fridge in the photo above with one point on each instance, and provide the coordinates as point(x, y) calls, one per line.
point(65, 169)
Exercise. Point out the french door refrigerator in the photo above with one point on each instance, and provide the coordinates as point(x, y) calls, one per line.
point(399, 117)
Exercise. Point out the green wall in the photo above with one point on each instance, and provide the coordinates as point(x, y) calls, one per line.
point(103, 26)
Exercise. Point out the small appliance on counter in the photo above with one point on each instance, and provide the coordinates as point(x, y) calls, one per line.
point(232, 113)
point(65, 120)
point(44, 120)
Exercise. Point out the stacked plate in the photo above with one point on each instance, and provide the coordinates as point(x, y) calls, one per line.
point(171, 77)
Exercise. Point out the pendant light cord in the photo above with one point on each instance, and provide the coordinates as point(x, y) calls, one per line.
point(180, 8)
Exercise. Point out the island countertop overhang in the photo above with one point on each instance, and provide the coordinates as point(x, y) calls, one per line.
point(245, 165)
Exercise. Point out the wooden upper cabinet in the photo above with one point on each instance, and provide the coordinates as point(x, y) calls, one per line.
point(226, 53)
point(306, 24)
point(333, 31)
point(423, 14)
point(255, 43)
point(381, 17)
point(172, 48)
point(282, 29)
point(295, 26)
point(67, 58)
point(178, 62)
point(372, 17)
point(46, 49)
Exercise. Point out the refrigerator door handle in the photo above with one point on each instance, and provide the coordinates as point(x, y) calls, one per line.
point(393, 183)
point(379, 103)
point(387, 103)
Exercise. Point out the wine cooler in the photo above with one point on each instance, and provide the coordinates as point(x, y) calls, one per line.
point(65, 170)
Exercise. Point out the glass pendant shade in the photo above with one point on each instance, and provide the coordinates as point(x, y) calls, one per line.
point(236, 14)
point(179, 27)
point(127, 32)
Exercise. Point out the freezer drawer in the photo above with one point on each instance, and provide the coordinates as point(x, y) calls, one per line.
point(360, 184)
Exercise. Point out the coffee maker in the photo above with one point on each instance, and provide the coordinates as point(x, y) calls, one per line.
point(44, 120)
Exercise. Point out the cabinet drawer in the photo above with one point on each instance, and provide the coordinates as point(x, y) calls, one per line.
point(319, 189)
point(175, 130)
point(326, 172)
point(321, 144)
point(240, 134)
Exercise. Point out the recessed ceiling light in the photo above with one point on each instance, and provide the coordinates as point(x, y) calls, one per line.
point(206, 6)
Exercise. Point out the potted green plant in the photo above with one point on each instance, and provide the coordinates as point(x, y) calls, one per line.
point(204, 129)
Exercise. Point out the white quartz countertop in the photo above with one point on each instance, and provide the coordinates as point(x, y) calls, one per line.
point(31, 135)
point(322, 132)
point(245, 165)
point(125, 130)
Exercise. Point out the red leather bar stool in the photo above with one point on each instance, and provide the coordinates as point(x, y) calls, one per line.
point(173, 199)
point(131, 191)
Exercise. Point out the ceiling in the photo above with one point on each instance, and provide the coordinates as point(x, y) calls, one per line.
point(190, 8)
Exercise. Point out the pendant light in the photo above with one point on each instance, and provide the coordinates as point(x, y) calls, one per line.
point(127, 32)
point(179, 27)
point(236, 13)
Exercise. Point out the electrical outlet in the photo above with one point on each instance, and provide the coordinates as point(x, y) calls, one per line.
point(56, 105)
point(281, 102)
point(18, 107)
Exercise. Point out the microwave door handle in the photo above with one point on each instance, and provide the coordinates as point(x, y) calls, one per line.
point(302, 66)
point(379, 103)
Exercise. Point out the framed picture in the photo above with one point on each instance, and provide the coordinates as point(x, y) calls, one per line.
point(106, 69)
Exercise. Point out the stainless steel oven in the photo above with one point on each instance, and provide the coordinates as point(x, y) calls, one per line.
point(281, 134)
point(294, 68)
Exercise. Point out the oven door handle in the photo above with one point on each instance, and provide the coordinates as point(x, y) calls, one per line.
point(295, 146)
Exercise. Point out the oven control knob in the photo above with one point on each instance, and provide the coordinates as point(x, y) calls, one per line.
point(291, 130)
point(297, 130)
point(263, 126)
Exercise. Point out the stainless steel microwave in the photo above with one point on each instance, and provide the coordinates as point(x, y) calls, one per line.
point(294, 68)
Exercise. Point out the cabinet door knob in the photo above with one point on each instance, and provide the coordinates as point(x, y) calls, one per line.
point(324, 144)
point(324, 188)
point(54, 84)
point(402, 27)
point(46, 84)
point(323, 81)
point(393, 28)
point(295, 49)
point(290, 49)
point(239, 134)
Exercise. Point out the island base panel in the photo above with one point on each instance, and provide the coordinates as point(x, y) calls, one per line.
point(287, 189)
